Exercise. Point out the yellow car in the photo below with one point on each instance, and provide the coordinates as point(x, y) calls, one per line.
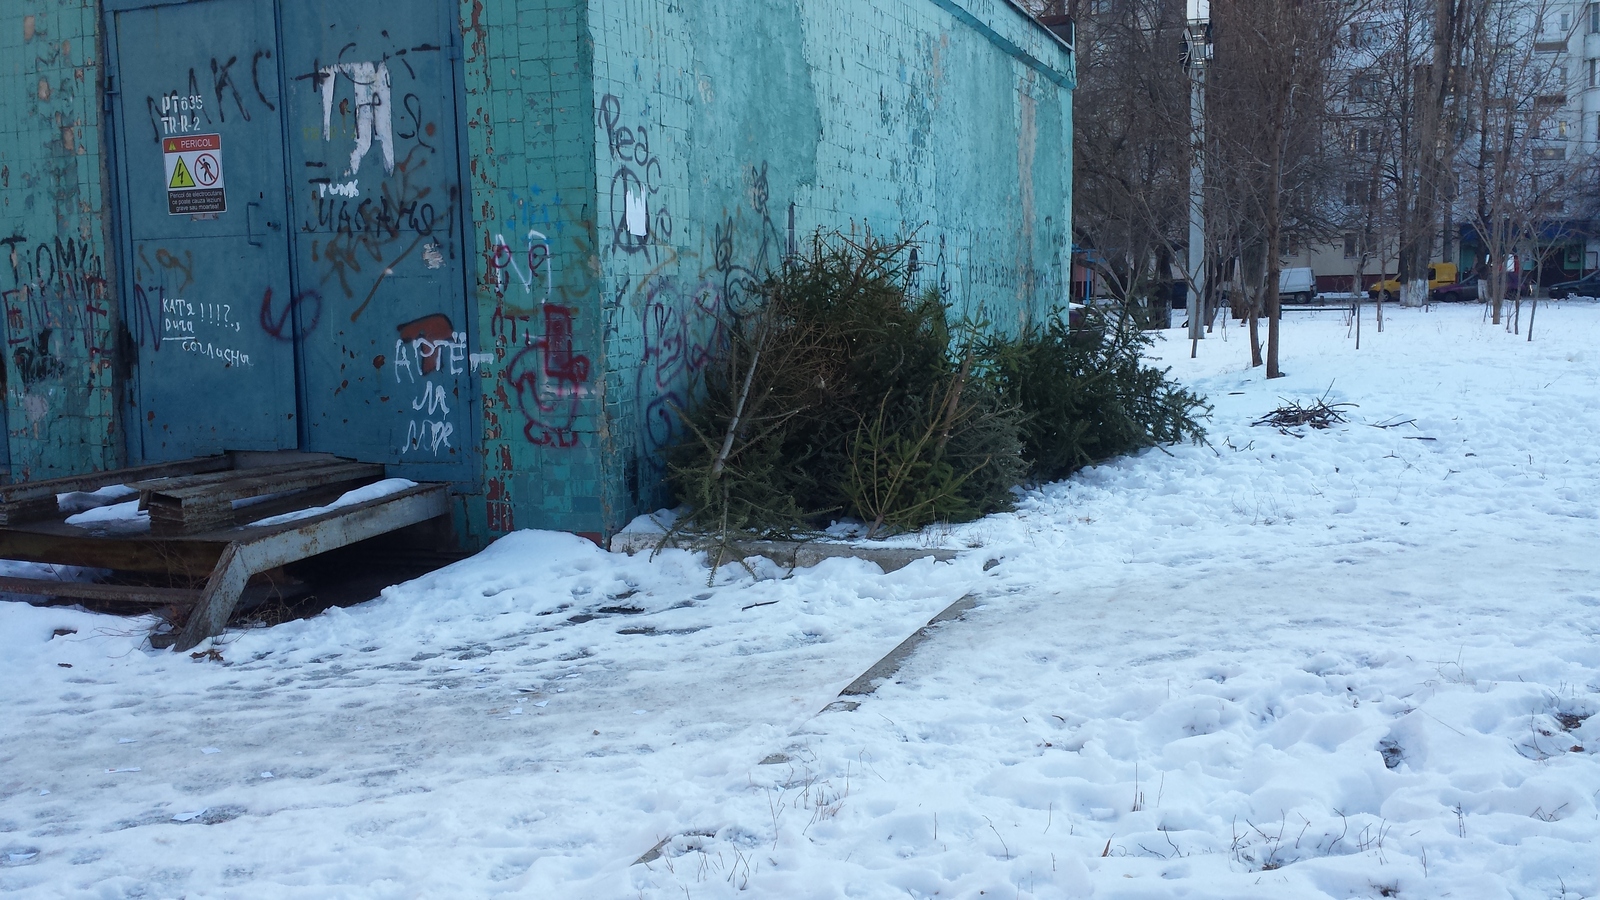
point(1440, 274)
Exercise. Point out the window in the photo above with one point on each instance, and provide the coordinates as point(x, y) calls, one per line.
point(1561, 128)
point(1566, 22)
point(1593, 71)
point(1358, 192)
point(1350, 245)
point(1364, 87)
point(1594, 18)
point(1361, 141)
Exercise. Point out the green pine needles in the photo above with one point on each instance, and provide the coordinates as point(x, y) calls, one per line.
point(844, 395)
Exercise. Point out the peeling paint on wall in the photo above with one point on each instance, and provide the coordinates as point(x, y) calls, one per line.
point(55, 281)
point(702, 169)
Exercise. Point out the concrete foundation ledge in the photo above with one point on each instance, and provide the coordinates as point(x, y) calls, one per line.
point(790, 554)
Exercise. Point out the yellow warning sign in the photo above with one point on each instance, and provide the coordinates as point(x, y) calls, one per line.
point(181, 177)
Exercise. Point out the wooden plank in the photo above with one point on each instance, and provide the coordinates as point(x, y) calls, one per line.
point(113, 593)
point(198, 509)
point(95, 480)
point(321, 495)
point(17, 511)
point(245, 484)
point(260, 549)
point(55, 543)
point(32, 500)
point(153, 485)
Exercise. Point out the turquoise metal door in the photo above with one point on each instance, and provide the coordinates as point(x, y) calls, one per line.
point(200, 179)
point(375, 179)
point(290, 184)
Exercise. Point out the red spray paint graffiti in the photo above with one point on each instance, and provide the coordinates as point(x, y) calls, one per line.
point(428, 334)
point(549, 380)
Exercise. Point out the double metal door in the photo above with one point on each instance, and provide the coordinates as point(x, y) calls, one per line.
point(291, 221)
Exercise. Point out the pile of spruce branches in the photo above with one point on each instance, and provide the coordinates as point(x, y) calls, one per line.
point(844, 394)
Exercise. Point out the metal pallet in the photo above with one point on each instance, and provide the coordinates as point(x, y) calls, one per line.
point(202, 544)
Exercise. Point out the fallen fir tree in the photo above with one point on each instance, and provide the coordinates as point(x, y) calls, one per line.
point(846, 395)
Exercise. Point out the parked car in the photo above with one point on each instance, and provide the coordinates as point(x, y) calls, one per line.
point(1587, 286)
point(1440, 274)
point(1461, 291)
point(1297, 285)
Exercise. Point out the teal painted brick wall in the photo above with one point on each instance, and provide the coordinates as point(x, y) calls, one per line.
point(530, 133)
point(734, 129)
point(55, 270)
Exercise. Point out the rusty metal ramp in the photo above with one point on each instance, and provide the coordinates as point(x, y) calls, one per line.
point(188, 537)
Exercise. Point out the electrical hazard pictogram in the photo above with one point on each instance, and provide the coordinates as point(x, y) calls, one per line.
point(194, 175)
point(180, 177)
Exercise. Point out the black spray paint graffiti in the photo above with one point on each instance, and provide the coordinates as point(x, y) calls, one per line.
point(35, 362)
point(372, 231)
point(685, 323)
point(634, 185)
point(683, 332)
point(56, 302)
point(188, 111)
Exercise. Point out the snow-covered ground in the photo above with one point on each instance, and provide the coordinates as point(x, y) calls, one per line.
point(1347, 663)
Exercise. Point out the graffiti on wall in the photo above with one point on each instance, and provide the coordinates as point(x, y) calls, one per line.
point(188, 111)
point(425, 348)
point(534, 325)
point(55, 305)
point(685, 317)
point(362, 234)
point(530, 265)
point(361, 240)
point(635, 184)
point(549, 381)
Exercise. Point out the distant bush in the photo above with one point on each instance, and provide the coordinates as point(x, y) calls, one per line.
point(844, 395)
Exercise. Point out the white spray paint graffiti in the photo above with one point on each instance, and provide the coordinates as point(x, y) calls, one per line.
point(373, 119)
point(351, 189)
point(415, 360)
point(536, 268)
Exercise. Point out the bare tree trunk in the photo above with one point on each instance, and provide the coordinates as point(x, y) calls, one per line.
point(1274, 223)
point(1253, 311)
point(1255, 337)
point(1435, 155)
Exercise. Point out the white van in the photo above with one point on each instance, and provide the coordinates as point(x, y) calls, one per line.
point(1297, 286)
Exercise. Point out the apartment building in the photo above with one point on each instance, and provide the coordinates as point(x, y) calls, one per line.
point(1541, 66)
